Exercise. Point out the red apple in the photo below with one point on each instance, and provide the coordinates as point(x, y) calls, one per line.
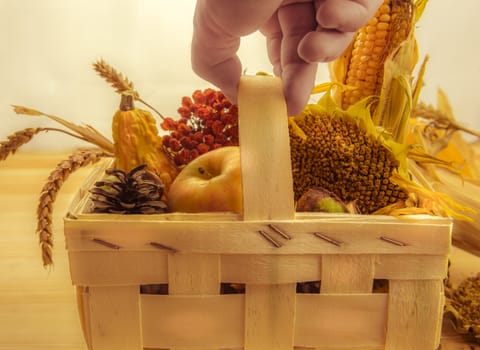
point(211, 182)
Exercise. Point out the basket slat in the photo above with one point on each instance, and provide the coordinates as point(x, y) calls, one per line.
point(268, 195)
point(265, 156)
point(341, 321)
point(413, 309)
point(218, 321)
point(202, 276)
point(256, 269)
point(115, 318)
point(411, 267)
point(213, 321)
point(190, 274)
point(347, 273)
point(118, 268)
point(428, 235)
point(151, 267)
point(270, 316)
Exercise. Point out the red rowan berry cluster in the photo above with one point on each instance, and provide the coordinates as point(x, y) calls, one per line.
point(207, 121)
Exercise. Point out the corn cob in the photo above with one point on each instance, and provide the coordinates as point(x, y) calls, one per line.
point(365, 59)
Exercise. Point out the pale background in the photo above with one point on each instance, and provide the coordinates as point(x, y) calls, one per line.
point(47, 48)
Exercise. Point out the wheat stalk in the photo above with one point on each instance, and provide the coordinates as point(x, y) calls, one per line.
point(83, 132)
point(439, 119)
point(119, 82)
point(48, 194)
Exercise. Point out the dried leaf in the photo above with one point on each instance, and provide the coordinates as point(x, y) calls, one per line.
point(86, 133)
point(26, 111)
point(420, 81)
point(435, 203)
point(396, 97)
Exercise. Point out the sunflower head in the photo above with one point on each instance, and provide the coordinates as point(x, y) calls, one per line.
point(343, 152)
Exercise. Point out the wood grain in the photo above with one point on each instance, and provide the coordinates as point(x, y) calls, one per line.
point(38, 307)
point(266, 168)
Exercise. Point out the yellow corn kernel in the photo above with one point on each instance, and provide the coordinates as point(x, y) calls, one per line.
point(372, 45)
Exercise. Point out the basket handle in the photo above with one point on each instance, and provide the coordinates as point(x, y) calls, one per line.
point(264, 149)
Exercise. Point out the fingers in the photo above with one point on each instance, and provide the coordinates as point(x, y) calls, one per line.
point(298, 80)
point(337, 21)
point(219, 66)
point(299, 34)
point(213, 52)
point(273, 33)
point(324, 45)
point(217, 28)
point(345, 15)
point(298, 76)
point(284, 31)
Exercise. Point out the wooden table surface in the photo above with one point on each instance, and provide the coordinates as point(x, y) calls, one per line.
point(38, 306)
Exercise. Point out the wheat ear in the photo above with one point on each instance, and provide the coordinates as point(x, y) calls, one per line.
point(116, 79)
point(120, 82)
point(16, 140)
point(48, 194)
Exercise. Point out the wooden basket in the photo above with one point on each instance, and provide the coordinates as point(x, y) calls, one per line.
point(268, 248)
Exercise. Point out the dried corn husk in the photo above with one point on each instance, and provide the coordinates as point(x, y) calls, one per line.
point(436, 130)
point(466, 234)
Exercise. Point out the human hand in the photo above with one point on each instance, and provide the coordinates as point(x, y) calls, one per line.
point(299, 33)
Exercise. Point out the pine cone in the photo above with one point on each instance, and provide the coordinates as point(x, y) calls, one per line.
point(136, 192)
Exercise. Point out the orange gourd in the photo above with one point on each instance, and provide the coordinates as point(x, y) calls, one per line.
point(136, 142)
